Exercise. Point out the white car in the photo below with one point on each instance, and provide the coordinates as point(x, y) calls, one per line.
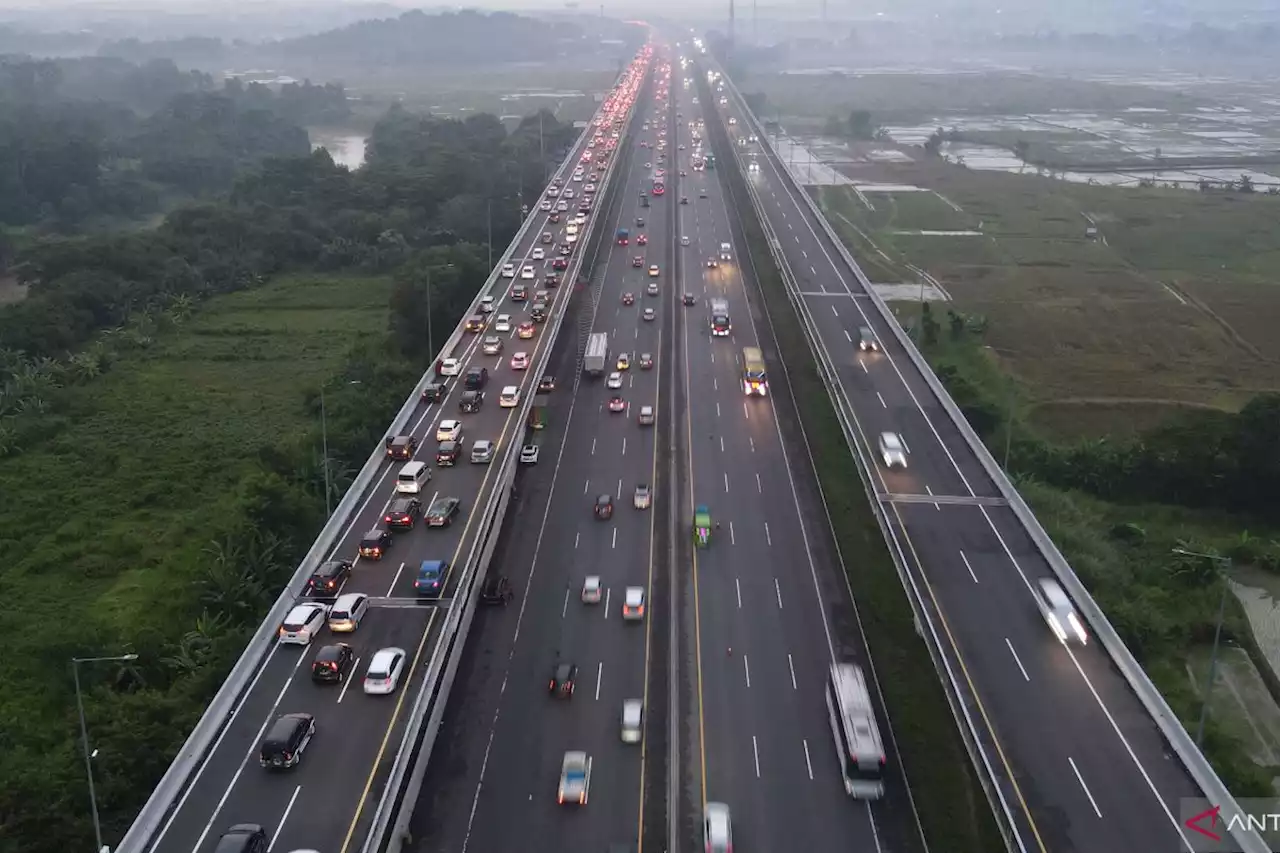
point(652, 289)
point(633, 604)
point(347, 612)
point(538, 254)
point(486, 305)
point(450, 367)
point(575, 779)
point(580, 220)
point(508, 270)
point(645, 418)
point(591, 590)
point(527, 272)
point(684, 241)
point(614, 380)
point(503, 323)
point(1060, 614)
point(568, 193)
point(545, 207)
point(529, 454)
point(303, 623)
point(449, 430)
point(643, 496)
point(520, 361)
point(624, 361)
point(717, 829)
point(383, 674)
point(632, 717)
point(649, 315)
point(562, 207)
point(892, 450)
point(492, 345)
point(553, 191)
point(510, 397)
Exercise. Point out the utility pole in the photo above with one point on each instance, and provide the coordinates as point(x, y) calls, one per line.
point(1217, 633)
point(488, 219)
point(90, 754)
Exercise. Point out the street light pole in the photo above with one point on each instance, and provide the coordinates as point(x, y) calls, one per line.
point(1008, 430)
point(84, 738)
point(430, 345)
point(1217, 636)
point(324, 444)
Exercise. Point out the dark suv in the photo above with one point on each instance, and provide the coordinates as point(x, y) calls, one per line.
point(471, 402)
point(402, 513)
point(329, 578)
point(332, 664)
point(434, 392)
point(476, 378)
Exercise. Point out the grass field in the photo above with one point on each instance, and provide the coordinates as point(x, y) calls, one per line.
point(892, 98)
point(1171, 305)
point(117, 508)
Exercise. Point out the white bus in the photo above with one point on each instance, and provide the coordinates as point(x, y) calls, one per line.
point(853, 725)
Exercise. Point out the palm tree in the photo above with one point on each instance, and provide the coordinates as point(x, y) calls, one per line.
point(8, 441)
point(181, 307)
point(85, 365)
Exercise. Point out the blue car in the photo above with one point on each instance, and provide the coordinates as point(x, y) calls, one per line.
point(430, 580)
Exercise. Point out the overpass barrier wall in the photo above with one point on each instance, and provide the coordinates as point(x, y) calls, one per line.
point(224, 705)
point(1175, 734)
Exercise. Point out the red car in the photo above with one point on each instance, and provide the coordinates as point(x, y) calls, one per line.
point(628, 299)
point(617, 404)
point(642, 240)
point(559, 264)
point(637, 262)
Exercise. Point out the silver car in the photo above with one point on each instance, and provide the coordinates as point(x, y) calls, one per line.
point(492, 345)
point(892, 450)
point(717, 828)
point(632, 715)
point(1060, 614)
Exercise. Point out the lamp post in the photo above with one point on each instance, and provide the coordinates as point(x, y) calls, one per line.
point(1217, 635)
point(84, 736)
point(324, 448)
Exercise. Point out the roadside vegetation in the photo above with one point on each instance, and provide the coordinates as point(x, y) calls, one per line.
point(160, 454)
point(951, 804)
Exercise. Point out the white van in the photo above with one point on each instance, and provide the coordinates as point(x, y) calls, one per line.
point(726, 252)
point(412, 477)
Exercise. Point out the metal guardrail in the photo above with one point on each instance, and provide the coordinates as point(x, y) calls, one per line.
point(224, 705)
point(952, 686)
point(1175, 734)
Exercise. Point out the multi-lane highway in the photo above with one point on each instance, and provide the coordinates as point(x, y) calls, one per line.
point(762, 590)
point(327, 802)
point(1082, 765)
point(492, 785)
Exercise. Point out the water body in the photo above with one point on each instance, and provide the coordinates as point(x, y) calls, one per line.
point(346, 147)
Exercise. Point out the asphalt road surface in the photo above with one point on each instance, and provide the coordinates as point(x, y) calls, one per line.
point(327, 801)
point(1082, 766)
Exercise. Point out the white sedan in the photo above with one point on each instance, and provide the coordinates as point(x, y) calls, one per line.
point(503, 323)
point(1060, 614)
point(538, 254)
point(527, 272)
point(384, 672)
point(508, 270)
point(614, 380)
point(510, 397)
point(449, 430)
point(591, 590)
point(520, 361)
point(302, 624)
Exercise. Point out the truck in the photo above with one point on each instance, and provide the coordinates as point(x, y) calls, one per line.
point(597, 357)
point(538, 414)
point(575, 779)
point(624, 236)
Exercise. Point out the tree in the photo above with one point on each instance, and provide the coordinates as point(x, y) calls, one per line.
point(860, 126)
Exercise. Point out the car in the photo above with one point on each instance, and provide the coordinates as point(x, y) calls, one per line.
point(632, 718)
point(553, 218)
point(568, 193)
point(892, 450)
point(529, 454)
point(547, 238)
point(447, 453)
point(431, 578)
point(575, 779)
point(646, 417)
point(553, 190)
point(475, 324)
point(646, 361)
point(712, 263)
point(684, 241)
point(375, 544)
point(546, 384)
point(652, 288)
point(527, 272)
point(482, 451)
point(526, 331)
point(402, 513)
point(603, 508)
point(689, 299)
point(471, 402)
point(592, 590)
point(538, 314)
point(503, 323)
point(545, 205)
point(683, 173)
point(649, 314)
point(614, 380)
point(617, 404)
point(559, 264)
point(867, 340)
point(383, 673)
point(717, 829)
point(1059, 613)
point(637, 262)
point(628, 298)
point(508, 270)
point(654, 272)
point(243, 838)
point(442, 512)
point(302, 624)
point(563, 678)
point(449, 430)
point(347, 612)
point(476, 378)
point(643, 496)
point(329, 577)
point(648, 165)
point(434, 392)
point(486, 305)
point(642, 240)
point(562, 206)
point(401, 446)
point(624, 361)
point(538, 254)
point(331, 663)
point(551, 280)
point(510, 397)
point(492, 345)
point(684, 199)
point(633, 604)
point(496, 590)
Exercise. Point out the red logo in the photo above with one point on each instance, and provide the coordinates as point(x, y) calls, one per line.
point(1208, 816)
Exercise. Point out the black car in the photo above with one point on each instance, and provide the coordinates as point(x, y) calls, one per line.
point(639, 222)
point(329, 578)
point(434, 392)
point(471, 402)
point(497, 590)
point(690, 299)
point(712, 263)
point(447, 453)
point(402, 513)
point(476, 378)
point(684, 199)
point(401, 446)
point(375, 544)
point(546, 384)
point(243, 838)
point(332, 664)
point(538, 314)
point(442, 512)
point(604, 507)
point(563, 676)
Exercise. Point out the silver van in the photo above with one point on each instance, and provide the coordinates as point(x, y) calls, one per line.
point(412, 477)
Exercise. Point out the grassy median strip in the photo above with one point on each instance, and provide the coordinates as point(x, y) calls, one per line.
point(949, 799)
